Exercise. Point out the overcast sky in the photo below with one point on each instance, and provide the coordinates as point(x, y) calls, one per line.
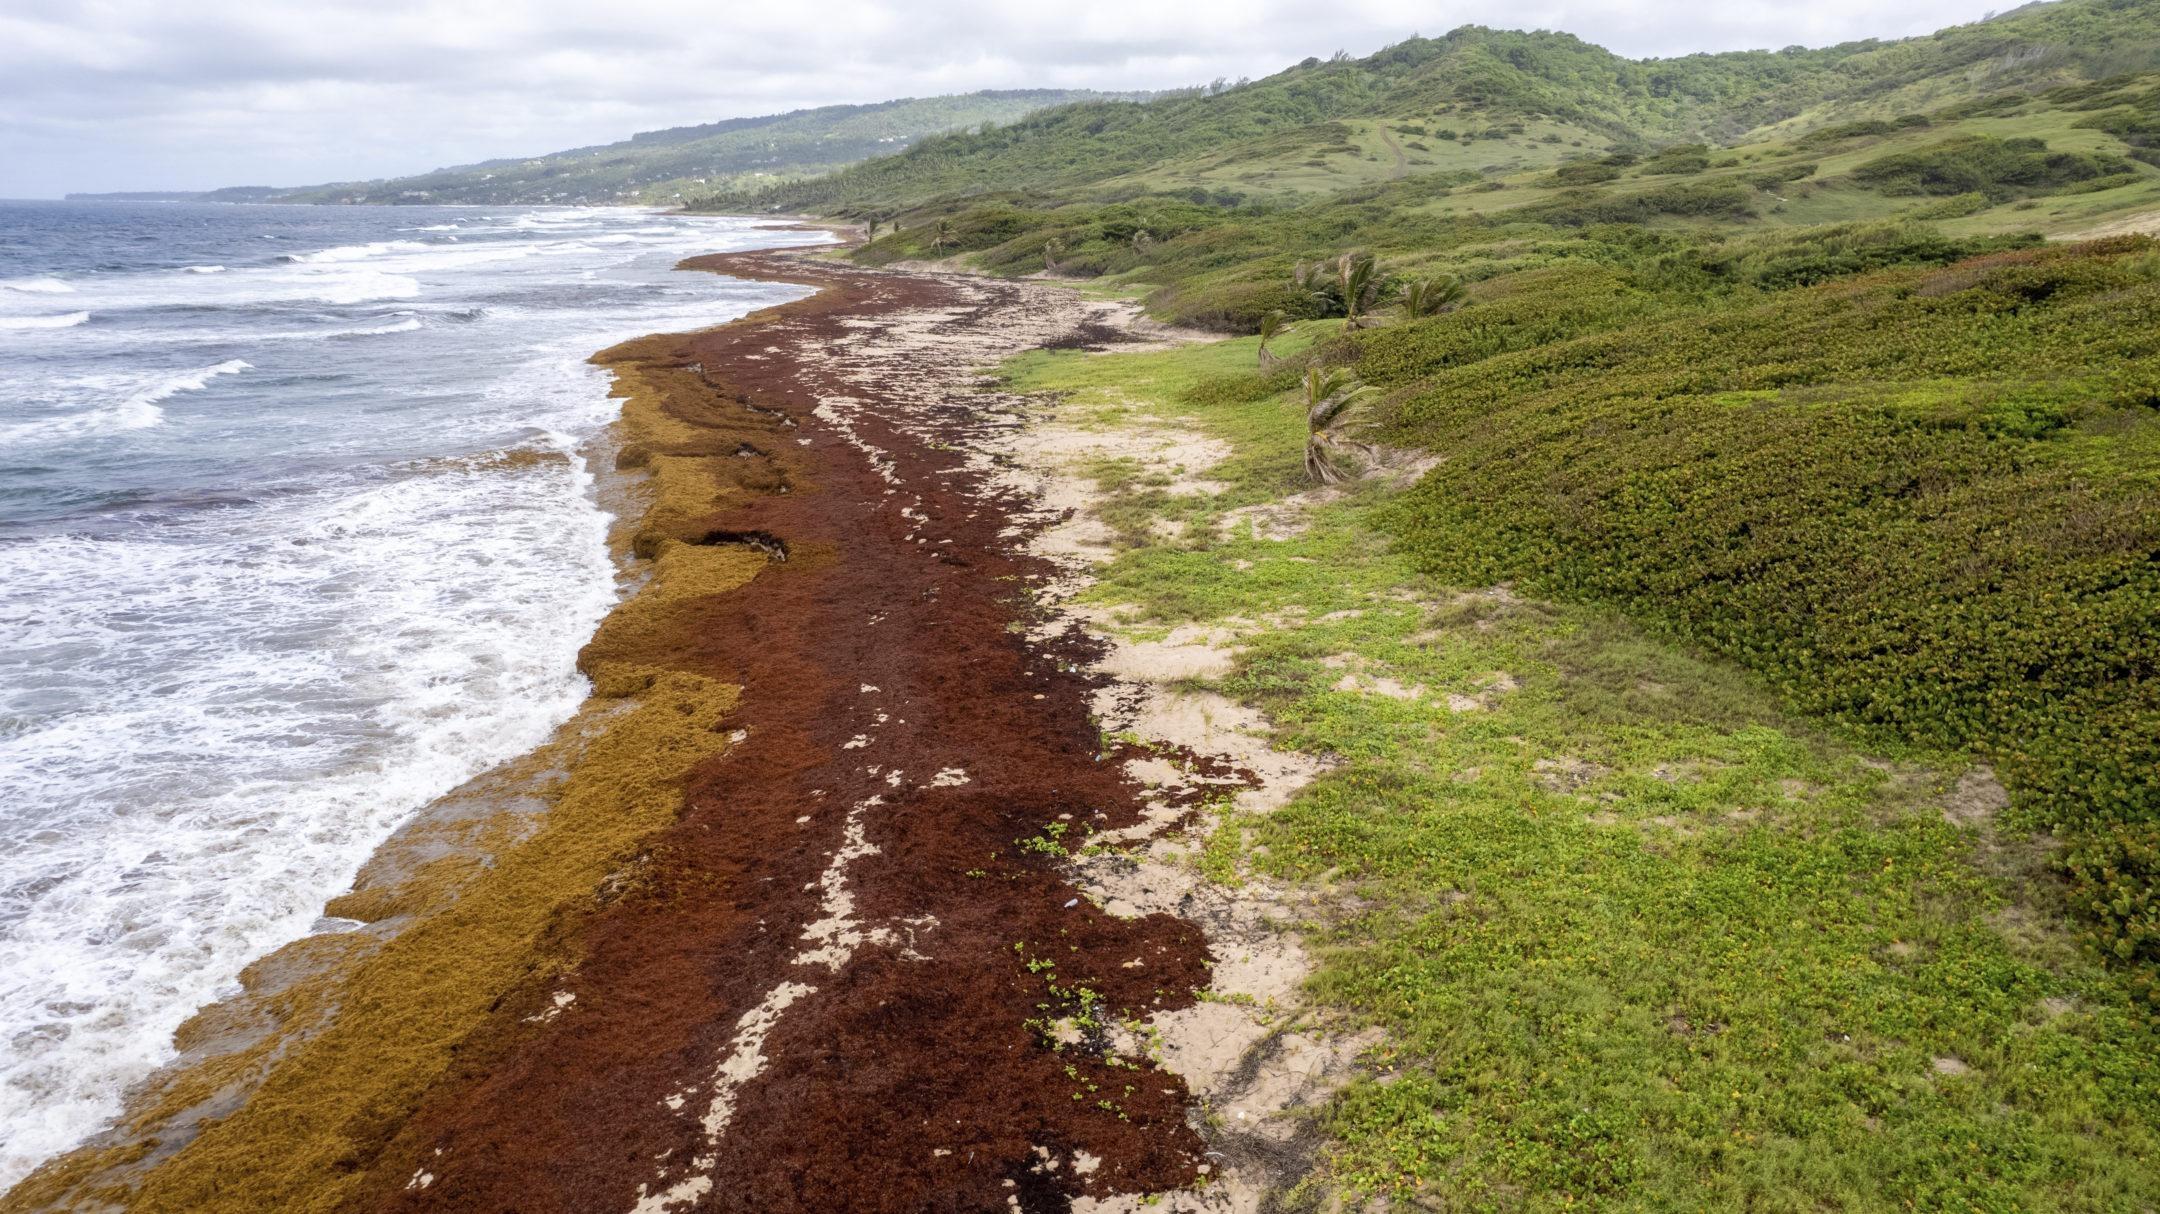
point(194, 94)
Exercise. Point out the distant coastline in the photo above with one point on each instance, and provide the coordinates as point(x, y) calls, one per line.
point(232, 194)
point(673, 166)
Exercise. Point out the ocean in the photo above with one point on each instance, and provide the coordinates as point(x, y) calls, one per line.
point(296, 534)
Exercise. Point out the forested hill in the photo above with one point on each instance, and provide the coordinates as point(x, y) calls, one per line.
point(1484, 100)
point(669, 165)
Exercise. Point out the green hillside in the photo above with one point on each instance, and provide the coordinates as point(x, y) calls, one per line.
point(1487, 101)
point(1799, 425)
point(667, 166)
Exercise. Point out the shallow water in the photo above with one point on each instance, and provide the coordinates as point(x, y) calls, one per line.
point(264, 589)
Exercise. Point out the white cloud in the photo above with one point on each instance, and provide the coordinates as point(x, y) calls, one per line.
point(150, 94)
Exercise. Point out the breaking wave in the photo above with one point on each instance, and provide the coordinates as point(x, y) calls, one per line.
point(66, 321)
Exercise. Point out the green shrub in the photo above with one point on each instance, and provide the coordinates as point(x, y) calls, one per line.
point(2001, 169)
point(1957, 206)
point(1865, 128)
point(1925, 500)
point(1588, 172)
point(1680, 158)
point(2138, 126)
point(1779, 176)
point(2115, 882)
point(1231, 307)
point(1703, 200)
point(1796, 259)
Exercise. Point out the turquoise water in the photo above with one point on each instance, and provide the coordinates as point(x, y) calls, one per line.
point(264, 590)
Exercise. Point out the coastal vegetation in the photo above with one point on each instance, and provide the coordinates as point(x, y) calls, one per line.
point(1637, 930)
point(1775, 817)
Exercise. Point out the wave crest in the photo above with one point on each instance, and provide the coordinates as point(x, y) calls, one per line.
point(64, 321)
point(140, 410)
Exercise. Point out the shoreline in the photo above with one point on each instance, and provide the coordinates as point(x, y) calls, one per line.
point(488, 924)
point(419, 874)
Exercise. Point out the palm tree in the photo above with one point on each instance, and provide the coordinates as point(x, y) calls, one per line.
point(1271, 325)
point(1330, 395)
point(1357, 278)
point(1311, 278)
point(1432, 296)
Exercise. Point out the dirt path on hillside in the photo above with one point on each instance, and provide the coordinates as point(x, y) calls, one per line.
point(1402, 162)
point(818, 994)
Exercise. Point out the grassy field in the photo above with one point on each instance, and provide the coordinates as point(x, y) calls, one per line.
point(1639, 936)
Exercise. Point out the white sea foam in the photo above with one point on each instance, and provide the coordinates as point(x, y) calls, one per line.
point(192, 380)
point(204, 269)
point(138, 409)
point(35, 286)
point(357, 252)
point(208, 720)
point(363, 287)
point(392, 277)
point(406, 325)
point(369, 652)
point(66, 321)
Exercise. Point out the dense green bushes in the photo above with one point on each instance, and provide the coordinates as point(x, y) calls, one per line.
point(2136, 122)
point(1779, 260)
point(1773, 178)
point(1678, 159)
point(1588, 172)
point(1926, 500)
point(1976, 164)
point(1699, 200)
point(1232, 307)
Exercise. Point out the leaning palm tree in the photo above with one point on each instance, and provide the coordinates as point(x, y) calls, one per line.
point(1271, 326)
point(1330, 395)
point(1310, 277)
point(1432, 296)
point(1357, 279)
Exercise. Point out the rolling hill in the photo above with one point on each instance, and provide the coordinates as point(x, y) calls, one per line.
point(1479, 100)
point(668, 165)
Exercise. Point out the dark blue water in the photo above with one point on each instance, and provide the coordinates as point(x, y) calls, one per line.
point(296, 533)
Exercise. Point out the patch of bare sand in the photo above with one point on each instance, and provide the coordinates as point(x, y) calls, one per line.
point(1050, 464)
point(1253, 1053)
point(1290, 517)
point(2145, 223)
point(1142, 332)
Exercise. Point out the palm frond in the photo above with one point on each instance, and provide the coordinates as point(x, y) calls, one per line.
point(1271, 325)
point(1357, 280)
point(1331, 394)
point(1432, 296)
